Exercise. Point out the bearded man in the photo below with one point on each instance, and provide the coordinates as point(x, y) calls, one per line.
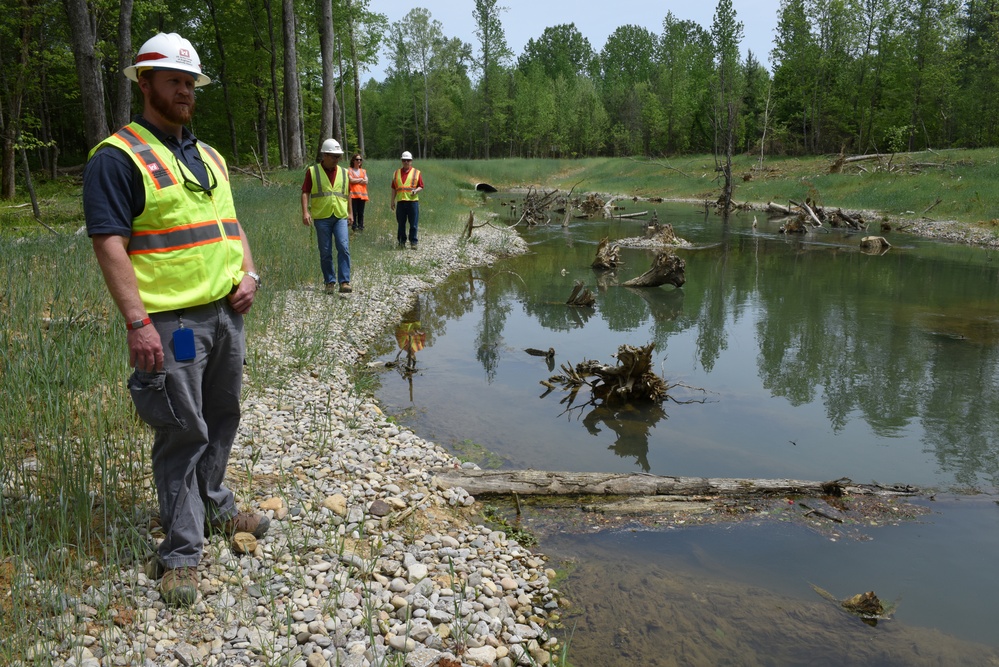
point(177, 263)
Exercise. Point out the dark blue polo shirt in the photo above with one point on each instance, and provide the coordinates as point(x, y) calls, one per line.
point(113, 194)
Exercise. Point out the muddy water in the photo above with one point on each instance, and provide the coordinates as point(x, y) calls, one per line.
point(742, 594)
point(816, 361)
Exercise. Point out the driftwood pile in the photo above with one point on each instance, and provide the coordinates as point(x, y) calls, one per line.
point(537, 206)
point(801, 216)
point(592, 205)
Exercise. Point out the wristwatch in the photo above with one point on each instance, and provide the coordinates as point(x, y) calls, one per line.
point(255, 277)
point(138, 324)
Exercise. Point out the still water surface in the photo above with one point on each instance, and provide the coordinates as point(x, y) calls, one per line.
point(816, 361)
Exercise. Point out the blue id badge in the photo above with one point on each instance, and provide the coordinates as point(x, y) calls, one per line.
point(183, 344)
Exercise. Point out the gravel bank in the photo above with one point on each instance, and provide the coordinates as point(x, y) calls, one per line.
point(367, 562)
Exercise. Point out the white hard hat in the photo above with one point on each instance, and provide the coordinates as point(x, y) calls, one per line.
point(331, 146)
point(168, 51)
point(406, 155)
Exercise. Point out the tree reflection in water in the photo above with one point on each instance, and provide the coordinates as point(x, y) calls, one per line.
point(631, 423)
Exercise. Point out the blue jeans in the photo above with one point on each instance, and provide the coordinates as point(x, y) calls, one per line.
point(328, 231)
point(193, 408)
point(407, 210)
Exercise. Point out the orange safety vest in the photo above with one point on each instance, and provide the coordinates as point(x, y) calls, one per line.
point(358, 190)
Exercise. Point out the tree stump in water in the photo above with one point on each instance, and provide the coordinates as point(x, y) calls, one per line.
point(631, 379)
point(581, 296)
point(608, 255)
point(667, 268)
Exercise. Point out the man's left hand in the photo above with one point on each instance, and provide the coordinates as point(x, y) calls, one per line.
point(242, 298)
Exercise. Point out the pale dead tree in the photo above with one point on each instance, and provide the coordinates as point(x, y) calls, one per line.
point(329, 123)
point(292, 105)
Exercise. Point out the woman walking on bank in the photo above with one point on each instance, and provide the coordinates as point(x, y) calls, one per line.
point(358, 190)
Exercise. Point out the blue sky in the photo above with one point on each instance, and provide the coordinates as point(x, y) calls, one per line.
point(595, 19)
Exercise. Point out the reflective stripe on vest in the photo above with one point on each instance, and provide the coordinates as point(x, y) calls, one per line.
point(328, 201)
point(358, 190)
point(179, 238)
point(404, 188)
point(185, 247)
point(160, 173)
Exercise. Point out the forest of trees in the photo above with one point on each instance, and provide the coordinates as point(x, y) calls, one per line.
point(845, 75)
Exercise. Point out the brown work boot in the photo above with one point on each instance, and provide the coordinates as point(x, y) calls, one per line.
point(244, 522)
point(331, 288)
point(179, 586)
point(345, 288)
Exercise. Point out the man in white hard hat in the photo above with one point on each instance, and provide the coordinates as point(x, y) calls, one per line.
point(326, 206)
point(407, 183)
point(177, 263)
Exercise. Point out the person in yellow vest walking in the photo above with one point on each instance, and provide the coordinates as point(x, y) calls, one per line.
point(358, 191)
point(407, 183)
point(325, 206)
point(177, 263)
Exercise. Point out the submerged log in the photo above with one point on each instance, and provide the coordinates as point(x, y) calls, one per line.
point(667, 268)
point(874, 245)
point(549, 483)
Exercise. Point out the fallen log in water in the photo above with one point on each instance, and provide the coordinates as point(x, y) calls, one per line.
point(546, 482)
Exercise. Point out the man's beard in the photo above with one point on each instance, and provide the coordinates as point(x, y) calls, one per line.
point(174, 114)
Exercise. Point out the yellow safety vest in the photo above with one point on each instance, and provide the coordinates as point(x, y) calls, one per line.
point(185, 246)
point(328, 200)
point(404, 188)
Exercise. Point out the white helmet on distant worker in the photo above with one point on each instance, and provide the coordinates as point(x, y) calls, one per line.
point(168, 51)
point(331, 146)
point(406, 155)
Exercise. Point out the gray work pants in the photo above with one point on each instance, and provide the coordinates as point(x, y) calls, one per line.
point(193, 407)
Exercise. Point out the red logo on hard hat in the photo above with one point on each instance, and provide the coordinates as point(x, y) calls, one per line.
point(185, 53)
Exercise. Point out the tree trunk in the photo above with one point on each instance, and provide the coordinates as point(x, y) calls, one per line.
point(262, 144)
point(11, 100)
point(282, 144)
point(549, 483)
point(357, 80)
point(329, 125)
point(224, 78)
point(95, 124)
point(121, 109)
point(292, 109)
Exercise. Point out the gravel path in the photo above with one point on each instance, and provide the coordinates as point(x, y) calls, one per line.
point(367, 561)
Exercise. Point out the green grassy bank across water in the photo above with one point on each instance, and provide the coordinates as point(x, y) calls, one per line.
point(63, 359)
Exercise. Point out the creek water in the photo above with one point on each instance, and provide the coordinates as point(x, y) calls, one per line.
point(794, 357)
